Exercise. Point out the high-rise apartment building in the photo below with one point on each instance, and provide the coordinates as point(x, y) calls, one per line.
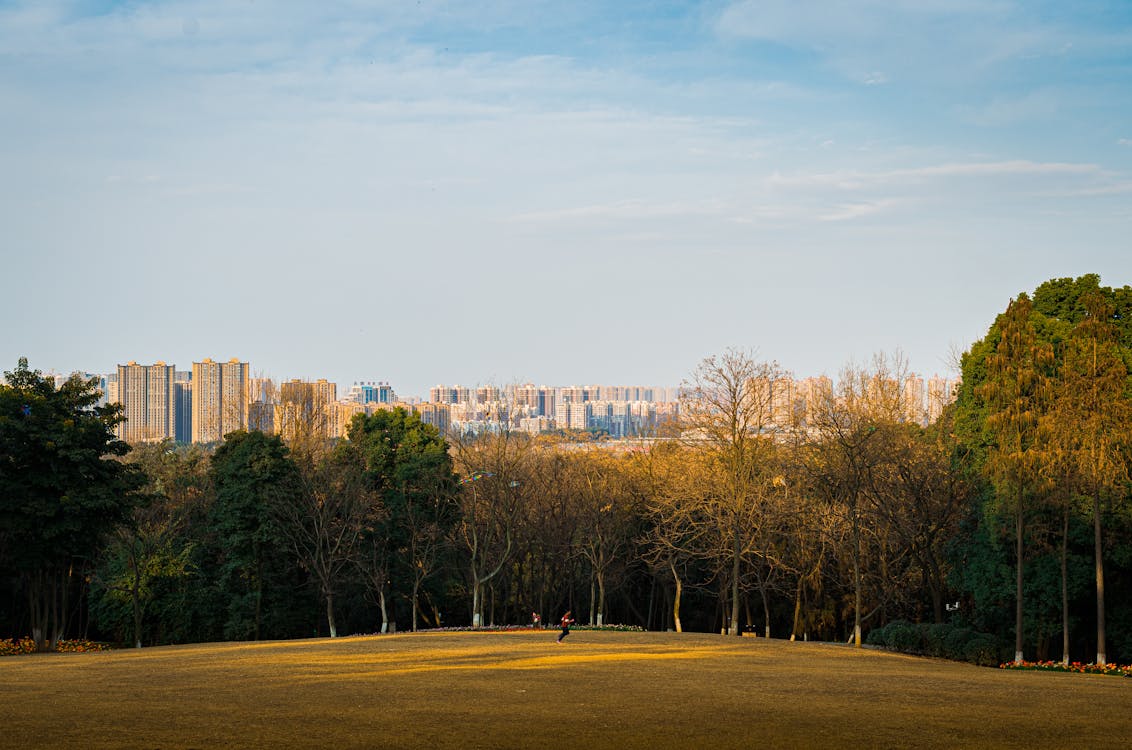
point(263, 399)
point(147, 397)
point(304, 411)
point(442, 394)
point(940, 393)
point(220, 399)
point(371, 392)
point(183, 405)
point(435, 415)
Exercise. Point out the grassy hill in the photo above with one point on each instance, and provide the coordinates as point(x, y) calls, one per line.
point(520, 690)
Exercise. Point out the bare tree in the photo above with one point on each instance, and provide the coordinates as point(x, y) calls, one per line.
point(607, 508)
point(492, 469)
point(727, 409)
point(325, 518)
point(845, 429)
point(674, 477)
point(919, 497)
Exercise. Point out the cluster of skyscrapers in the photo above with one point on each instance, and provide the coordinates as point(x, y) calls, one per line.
point(211, 399)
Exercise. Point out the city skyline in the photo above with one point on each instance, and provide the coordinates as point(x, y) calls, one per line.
point(525, 191)
point(381, 388)
point(159, 402)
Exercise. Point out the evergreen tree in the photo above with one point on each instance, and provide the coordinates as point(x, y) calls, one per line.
point(62, 489)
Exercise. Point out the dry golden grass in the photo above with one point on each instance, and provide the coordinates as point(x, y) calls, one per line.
point(519, 690)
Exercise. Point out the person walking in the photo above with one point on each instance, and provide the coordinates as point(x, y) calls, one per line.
point(567, 621)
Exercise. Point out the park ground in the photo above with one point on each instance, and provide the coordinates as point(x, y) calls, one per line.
point(521, 690)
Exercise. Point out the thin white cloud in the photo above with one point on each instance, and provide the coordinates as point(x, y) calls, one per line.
point(850, 211)
point(859, 179)
point(620, 211)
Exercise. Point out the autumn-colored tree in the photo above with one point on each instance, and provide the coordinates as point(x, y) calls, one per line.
point(674, 477)
point(727, 409)
point(606, 503)
point(845, 431)
point(919, 497)
point(1090, 422)
point(1016, 392)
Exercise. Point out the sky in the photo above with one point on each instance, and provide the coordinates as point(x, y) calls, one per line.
point(561, 193)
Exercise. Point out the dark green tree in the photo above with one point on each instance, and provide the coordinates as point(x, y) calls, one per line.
point(62, 488)
point(406, 463)
point(148, 563)
point(1016, 392)
point(1091, 422)
point(251, 474)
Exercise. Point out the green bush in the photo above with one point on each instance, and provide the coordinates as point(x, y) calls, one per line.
point(938, 640)
point(955, 643)
point(982, 649)
point(933, 639)
point(902, 636)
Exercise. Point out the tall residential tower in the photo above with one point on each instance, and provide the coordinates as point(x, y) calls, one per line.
point(147, 397)
point(220, 399)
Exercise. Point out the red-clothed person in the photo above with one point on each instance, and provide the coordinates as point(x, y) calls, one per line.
point(567, 620)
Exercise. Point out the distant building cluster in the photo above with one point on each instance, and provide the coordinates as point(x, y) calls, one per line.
point(792, 402)
point(203, 404)
point(617, 411)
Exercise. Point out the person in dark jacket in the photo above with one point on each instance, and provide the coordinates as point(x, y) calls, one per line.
point(567, 620)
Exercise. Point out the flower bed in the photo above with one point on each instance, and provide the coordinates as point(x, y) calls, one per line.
point(14, 646)
point(1057, 666)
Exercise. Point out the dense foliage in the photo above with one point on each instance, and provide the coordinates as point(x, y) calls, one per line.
point(845, 519)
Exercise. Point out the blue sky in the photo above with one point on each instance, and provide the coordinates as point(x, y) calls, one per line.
point(489, 192)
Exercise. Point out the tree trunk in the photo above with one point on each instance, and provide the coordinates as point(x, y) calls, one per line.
point(477, 589)
point(676, 602)
point(1065, 587)
point(258, 593)
point(734, 629)
point(856, 578)
point(1018, 528)
point(766, 611)
point(135, 598)
point(935, 582)
point(39, 609)
point(600, 599)
point(330, 615)
point(416, 603)
point(1098, 555)
point(384, 610)
point(593, 596)
point(797, 610)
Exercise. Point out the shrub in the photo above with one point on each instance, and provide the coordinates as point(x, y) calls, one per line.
point(902, 636)
point(934, 637)
point(982, 649)
point(938, 640)
point(955, 643)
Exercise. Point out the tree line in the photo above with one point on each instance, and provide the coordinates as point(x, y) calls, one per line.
point(1008, 515)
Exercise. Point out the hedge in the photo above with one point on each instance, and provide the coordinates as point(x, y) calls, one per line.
point(939, 640)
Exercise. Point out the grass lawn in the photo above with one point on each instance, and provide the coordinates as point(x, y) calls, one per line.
point(520, 689)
